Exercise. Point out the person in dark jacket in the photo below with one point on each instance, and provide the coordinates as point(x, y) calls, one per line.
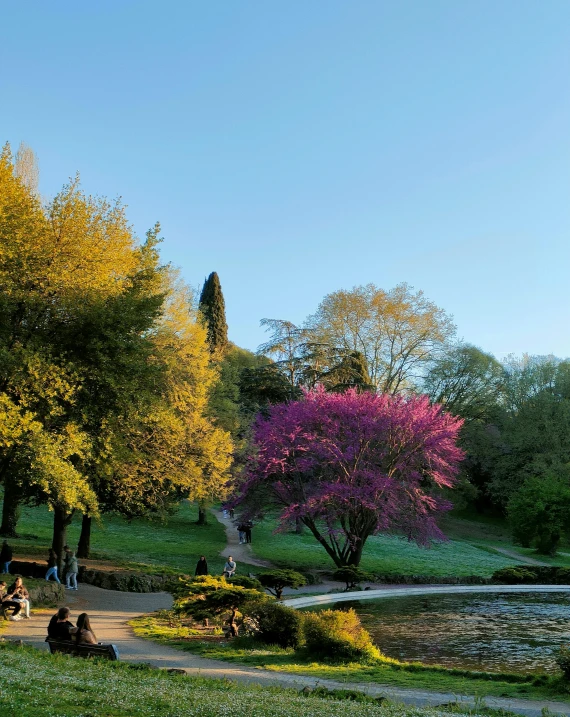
point(6, 603)
point(5, 557)
point(59, 627)
point(202, 566)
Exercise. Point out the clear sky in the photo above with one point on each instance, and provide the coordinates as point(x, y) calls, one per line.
point(311, 145)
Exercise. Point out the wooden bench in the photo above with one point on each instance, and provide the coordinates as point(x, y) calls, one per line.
point(108, 652)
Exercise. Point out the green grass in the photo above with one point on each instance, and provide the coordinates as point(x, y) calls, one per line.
point(36, 684)
point(170, 546)
point(382, 554)
point(386, 671)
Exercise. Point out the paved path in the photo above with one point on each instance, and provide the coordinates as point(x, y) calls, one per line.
point(110, 611)
point(399, 591)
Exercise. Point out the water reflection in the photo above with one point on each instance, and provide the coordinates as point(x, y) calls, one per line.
point(517, 633)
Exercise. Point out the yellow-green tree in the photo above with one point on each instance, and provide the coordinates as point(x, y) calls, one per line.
point(104, 368)
point(398, 332)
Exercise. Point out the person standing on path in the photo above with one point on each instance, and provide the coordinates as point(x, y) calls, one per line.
point(202, 566)
point(52, 566)
point(248, 526)
point(241, 533)
point(5, 557)
point(66, 562)
point(71, 574)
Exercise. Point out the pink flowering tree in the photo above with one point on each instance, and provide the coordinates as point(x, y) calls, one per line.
point(351, 465)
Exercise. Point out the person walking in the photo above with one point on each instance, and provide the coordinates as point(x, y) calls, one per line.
point(247, 532)
point(241, 533)
point(5, 557)
point(71, 574)
point(52, 566)
point(66, 562)
point(201, 566)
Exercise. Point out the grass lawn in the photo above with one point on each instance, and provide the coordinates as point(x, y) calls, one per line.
point(382, 554)
point(173, 545)
point(36, 684)
point(387, 671)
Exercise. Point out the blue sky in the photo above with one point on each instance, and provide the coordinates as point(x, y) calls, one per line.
point(297, 148)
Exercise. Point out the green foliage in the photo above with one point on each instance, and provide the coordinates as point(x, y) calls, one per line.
point(276, 624)
point(209, 597)
point(514, 576)
point(352, 576)
point(245, 582)
point(535, 427)
point(337, 634)
point(563, 660)
point(533, 575)
point(213, 308)
point(277, 580)
point(539, 512)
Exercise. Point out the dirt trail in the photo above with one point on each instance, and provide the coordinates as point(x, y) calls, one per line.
point(240, 553)
point(519, 557)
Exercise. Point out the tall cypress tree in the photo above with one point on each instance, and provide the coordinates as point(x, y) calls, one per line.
point(213, 308)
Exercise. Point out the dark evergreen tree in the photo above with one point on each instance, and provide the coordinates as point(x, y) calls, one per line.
point(213, 308)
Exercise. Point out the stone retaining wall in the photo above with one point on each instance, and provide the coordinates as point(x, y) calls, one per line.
point(123, 581)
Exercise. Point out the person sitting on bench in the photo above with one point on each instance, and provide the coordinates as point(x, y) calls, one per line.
point(84, 635)
point(6, 603)
point(59, 627)
point(19, 594)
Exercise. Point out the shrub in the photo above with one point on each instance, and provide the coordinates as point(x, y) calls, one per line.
point(352, 576)
point(276, 624)
point(276, 580)
point(246, 582)
point(515, 576)
point(339, 634)
point(563, 660)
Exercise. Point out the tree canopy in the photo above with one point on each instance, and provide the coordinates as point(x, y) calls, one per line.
point(105, 372)
point(351, 464)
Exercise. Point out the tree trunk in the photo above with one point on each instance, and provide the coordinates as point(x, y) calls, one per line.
point(84, 545)
point(355, 555)
point(10, 508)
point(298, 526)
point(202, 515)
point(61, 520)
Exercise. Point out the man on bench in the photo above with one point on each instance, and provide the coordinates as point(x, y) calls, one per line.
point(59, 627)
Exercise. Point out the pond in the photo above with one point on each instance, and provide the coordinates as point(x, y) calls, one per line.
point(500, 632)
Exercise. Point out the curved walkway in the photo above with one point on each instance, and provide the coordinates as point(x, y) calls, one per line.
point(425, 590)
point(110, 612)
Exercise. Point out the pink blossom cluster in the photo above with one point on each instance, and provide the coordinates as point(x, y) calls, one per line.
point(353, 464)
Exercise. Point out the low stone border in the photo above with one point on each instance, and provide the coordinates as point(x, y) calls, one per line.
point(409, 592)
point(121, 580)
